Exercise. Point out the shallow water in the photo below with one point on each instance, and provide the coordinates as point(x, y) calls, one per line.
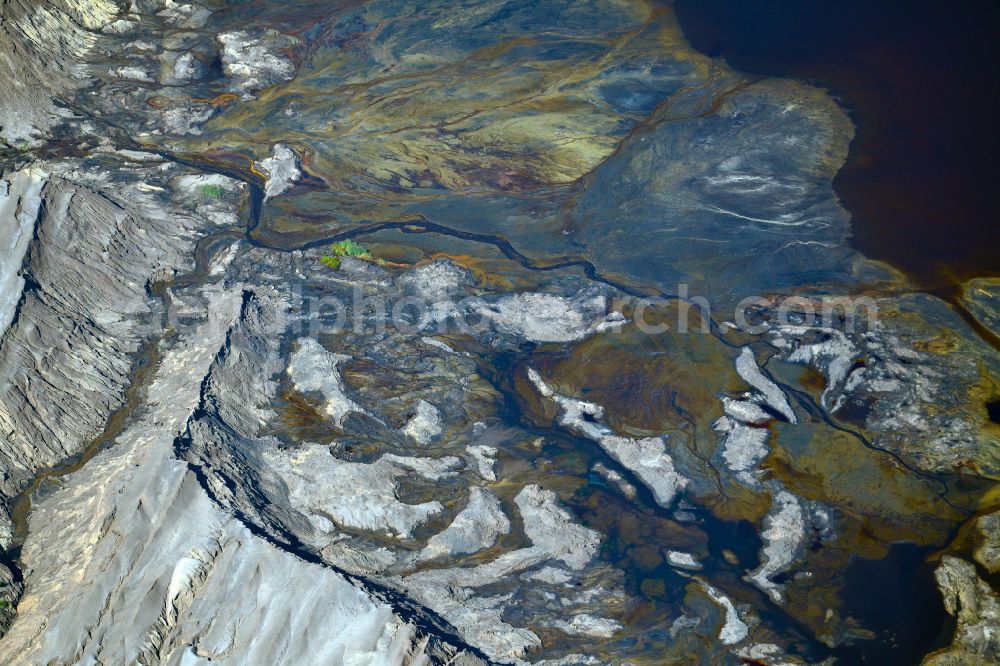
point(917, 79)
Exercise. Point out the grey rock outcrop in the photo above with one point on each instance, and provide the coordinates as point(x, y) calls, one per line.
point(254, 61)
point(899, 376)
point(82, 310)
point(976, 607)
point(42, 47)
point(476, 527)
point(211, 592)
point(359, 503)
point(986, 540)
point(648, 458)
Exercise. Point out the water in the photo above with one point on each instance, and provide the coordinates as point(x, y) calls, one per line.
point(919, 184)
point(898, 598)
point(917, 80)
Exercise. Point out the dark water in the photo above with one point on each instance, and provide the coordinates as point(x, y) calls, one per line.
point(918, 79)
point(897, 598)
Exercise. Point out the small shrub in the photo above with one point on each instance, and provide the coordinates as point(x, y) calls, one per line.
point(349, 248)
point(213, 191)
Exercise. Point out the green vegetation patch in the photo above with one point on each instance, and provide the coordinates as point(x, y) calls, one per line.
point(213, 191)
point(347, 248)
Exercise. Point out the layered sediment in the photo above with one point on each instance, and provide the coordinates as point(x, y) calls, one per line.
point(463, 439)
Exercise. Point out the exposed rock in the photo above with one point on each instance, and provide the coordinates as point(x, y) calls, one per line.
point(570, 660)
point(545, 148)
point(354, 495)
point(433, 342)
point(588, 625)
point(743, 446)
point(647, 458)
point(42, 52)
point(890, 376)
point(553, 536)
point(65, 356)
point(307, 491)
point(10, 591)
point(550, 528)
point(132, 73)
point(772, 655)
point(120, 26)
point(184, 119)
point(476, 527)
point(19, 202)
point(254, 475)
point(184, 15)
point(483, 456)
point(550, 575)
point(616, 478)
point(783, 535)
point(682, 560)
point(745, 411)
point(191, 594)
point(437, 282)
point(543, 389)
point(733, 629)
point(282, 170)
point(976, 607)
point(982, 297)
point(774, 397)
point(434, 469)
point(683, 625)
point(987, 541)
point(313, 368)
point(177, 67)
point(425, 424)
point(344, 553)
point(549, 318)
point(834, 357)
point(254, 61)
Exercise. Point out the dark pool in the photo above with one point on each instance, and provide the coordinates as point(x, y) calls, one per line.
point(919, 79)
